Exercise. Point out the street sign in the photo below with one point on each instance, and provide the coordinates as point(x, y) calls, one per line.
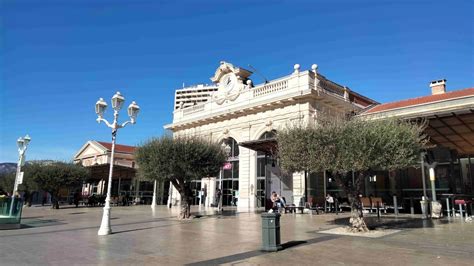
point(227, 166)
point(20, 178)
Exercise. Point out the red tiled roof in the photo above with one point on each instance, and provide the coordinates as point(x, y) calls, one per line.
point(422, 100)
point(118, 147)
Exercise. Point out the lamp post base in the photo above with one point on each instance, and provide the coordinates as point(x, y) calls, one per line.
point(105, 228)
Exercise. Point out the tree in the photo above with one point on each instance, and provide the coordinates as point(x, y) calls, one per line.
point(6, 181)
point(357, 145)
point(52, 177)
point(179, 160)
point(28, 186)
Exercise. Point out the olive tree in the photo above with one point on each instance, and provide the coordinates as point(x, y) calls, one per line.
point(52, 177)
point(28, 186)
point(179, 160)
point(342, 146)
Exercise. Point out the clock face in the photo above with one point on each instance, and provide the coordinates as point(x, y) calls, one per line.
point(229, 88)
point(228, 82)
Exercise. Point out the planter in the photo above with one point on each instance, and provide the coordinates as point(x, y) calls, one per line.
point(10, 216)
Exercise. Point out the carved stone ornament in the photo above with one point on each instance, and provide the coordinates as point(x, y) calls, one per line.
point(231, 82)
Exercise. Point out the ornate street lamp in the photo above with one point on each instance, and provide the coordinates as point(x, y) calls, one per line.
point(100, 107)
point(227, 149)
point(22, 143)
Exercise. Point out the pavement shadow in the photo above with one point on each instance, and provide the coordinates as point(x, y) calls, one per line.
point(32, 217)
point(394, 222)
point(254, 253)
point(291, 244)
point(39, 223)
point(42, 223)
point(218, 215)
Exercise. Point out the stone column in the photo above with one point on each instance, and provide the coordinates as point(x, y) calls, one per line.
point(253, 180)
point(243, 203)
point(298, 187)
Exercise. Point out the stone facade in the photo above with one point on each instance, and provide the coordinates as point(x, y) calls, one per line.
point(245, 112)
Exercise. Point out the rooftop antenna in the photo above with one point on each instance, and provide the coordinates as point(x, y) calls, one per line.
point(256, 71)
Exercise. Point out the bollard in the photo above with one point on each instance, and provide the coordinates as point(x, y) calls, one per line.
point(271, 232)
point(395, 205)
point(460, 212)
point(453, 210)
point(447, 207)
point(424, 208)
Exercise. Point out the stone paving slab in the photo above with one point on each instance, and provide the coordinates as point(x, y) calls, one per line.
point(146, 237)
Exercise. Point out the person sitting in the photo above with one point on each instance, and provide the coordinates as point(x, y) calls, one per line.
point(277, 201)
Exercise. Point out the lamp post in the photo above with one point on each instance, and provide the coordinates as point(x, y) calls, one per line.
point(22, 143)
point(153, 202)
point(227, 150)
point(100, 106)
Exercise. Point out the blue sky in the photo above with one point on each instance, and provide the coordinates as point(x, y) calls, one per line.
point(58, 57)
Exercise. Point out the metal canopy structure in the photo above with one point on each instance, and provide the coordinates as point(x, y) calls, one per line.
point(454, 130)
point(268, 146)
point(99, 172)
point(450, 117)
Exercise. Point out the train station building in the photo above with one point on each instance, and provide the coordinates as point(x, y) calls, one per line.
point(246, 117)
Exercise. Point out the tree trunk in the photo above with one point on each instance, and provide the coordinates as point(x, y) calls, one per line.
point(352, 191)
point(185, 212)
point(55, 202)
point(357, 218)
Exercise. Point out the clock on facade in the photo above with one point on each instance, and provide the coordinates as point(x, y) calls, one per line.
point(229, 88)
point(228, 83)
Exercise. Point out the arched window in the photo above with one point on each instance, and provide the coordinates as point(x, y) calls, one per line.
point(268, 134)
point(234, 152)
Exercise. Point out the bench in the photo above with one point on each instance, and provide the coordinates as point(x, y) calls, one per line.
point(371, 204)
point(292, 208)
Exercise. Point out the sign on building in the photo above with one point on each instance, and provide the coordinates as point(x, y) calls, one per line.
point(227, 166)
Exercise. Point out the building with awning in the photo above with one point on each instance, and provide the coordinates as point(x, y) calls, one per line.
point(246, 117)
point(449, 118)
point(96, 156)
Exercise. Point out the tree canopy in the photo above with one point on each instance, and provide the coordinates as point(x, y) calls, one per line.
point(361, 146)
point(355, 145)
point(28, 186)
point(179, 160)
point(52, 177)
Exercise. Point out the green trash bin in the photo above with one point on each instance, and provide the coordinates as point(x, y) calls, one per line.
point(271, 232)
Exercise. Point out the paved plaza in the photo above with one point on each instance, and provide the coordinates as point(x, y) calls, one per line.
point(141, 236)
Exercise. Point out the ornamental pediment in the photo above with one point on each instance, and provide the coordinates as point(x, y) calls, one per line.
point(230, 80)
point(90, 149)
point(226, 68)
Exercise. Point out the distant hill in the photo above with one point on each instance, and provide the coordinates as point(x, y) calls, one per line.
point(6, 168)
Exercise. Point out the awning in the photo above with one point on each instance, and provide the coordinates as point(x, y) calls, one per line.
point(453, 130)
point(267, 146)
point(99, 172)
